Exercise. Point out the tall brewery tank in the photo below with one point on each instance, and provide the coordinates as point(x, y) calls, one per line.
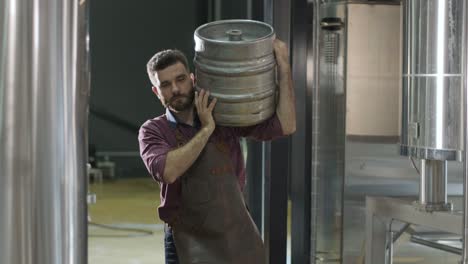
point(432, 80)
point(234, 60)
point(432, 103)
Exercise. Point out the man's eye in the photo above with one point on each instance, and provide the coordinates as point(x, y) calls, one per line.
point(164, 85)
point(181, 78)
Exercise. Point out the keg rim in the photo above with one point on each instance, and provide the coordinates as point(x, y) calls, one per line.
point(225, 21)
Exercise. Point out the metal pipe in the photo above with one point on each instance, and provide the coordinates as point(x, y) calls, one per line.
point(390, 249)
point(433, 186)
point(313, 81)
point(397, 234)
point(435, 245)
point(392, 237)
point(464, 259)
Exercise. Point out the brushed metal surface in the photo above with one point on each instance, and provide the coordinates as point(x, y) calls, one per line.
point(432, 79)
point(43, 128)
point(234, 60)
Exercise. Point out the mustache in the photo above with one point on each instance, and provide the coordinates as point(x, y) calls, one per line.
point(178, 97)
point(189, 95)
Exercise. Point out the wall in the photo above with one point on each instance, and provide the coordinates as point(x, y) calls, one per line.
point(123, 37)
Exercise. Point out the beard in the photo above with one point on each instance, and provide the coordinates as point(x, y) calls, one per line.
point(179, 103)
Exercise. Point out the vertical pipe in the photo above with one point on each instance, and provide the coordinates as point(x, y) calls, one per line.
point(433, 186)
point(254, 187)
point(465, 133)
point(249, 9)
point(299, 192)
point(313, 79)
point(78, 135)
point(217, 10)
point(278, 14)
point(390, 246)
point(422, 183)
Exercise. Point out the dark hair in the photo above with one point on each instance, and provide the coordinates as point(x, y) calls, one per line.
point(164, 59)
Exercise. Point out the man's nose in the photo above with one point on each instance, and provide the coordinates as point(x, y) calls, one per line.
point(175, 88)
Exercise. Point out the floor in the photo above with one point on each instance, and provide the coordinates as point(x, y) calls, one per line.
point(405, 251)
point(125, 229)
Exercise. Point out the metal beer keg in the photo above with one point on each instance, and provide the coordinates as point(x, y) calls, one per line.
point(234, 60)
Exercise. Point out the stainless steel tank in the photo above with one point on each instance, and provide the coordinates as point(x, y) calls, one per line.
point(234, 59)
point(43, 131)
point(432, 76)
point(432, 93)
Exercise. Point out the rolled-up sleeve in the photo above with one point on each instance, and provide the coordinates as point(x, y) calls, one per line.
point(153, 149)
point(268, 130)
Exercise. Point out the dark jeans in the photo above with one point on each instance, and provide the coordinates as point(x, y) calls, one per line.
point(169, 246)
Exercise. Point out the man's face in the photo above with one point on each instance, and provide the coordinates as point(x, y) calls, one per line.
point(174, 87)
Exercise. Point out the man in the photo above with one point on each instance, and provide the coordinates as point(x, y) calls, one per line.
point(200, 167)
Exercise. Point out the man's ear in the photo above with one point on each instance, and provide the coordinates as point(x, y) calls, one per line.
point(192, 76)
point(155, 91)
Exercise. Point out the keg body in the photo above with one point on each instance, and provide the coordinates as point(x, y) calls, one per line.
point(234, 60)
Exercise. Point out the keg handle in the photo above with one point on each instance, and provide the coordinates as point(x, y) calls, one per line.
point(234, 34)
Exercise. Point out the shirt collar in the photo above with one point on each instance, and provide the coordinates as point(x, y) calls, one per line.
point(171, 118)
point(173, 121)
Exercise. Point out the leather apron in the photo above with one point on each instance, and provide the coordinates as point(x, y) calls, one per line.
point(213, 225)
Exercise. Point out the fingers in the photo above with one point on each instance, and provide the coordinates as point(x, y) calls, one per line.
point(212, 104)
point(196, 101)
point(206, 95)
point(202, 99)
point(205, 108)
point(199, 99)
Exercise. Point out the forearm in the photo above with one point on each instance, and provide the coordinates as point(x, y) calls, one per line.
point(285, 109)
point(179, 160)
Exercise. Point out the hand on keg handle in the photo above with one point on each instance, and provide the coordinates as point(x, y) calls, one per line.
point(205, 109)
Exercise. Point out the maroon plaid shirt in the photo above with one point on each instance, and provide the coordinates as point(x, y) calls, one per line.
point(157, 138)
